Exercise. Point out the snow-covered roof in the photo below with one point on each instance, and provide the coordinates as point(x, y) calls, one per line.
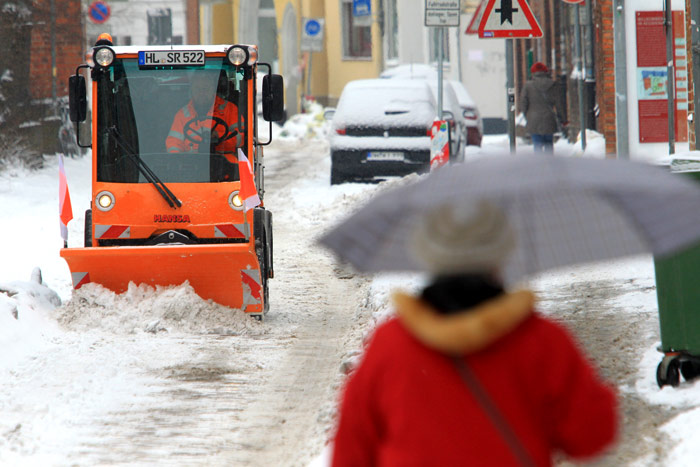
point(379, 102)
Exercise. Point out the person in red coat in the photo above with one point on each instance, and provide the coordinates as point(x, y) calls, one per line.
point(469, 374)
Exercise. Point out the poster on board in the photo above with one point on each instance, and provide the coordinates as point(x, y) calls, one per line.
point(652, 77)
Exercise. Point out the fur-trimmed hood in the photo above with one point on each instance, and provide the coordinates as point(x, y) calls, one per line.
point(468, 331)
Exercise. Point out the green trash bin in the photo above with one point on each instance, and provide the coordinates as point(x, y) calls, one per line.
point(678, 295)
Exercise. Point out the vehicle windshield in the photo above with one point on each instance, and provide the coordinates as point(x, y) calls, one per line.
point(184, 123)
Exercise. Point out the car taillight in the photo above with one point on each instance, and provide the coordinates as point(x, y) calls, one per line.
point(341, 131)
point(429, 131)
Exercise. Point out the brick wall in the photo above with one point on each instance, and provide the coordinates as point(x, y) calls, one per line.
point(69, 33)
point(605, 72)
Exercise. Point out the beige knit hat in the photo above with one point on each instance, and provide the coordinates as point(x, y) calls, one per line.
point(477, 238)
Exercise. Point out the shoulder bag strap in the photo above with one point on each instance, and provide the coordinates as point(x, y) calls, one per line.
point(494, 414)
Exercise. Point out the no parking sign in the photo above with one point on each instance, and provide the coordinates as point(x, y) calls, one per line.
point(99, 12)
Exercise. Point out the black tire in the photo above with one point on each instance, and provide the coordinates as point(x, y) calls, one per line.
point(660, 374)
point(88, 228)
point(668, 372)
point(265, 274)
point(673, 374)
point(690, 369)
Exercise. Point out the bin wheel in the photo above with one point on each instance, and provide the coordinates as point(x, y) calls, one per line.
point(690, 369)
point(668, 372)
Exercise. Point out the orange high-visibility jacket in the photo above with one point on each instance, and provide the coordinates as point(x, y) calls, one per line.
point(177, 142)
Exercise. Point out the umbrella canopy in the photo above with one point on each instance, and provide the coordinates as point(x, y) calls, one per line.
point(563, 211)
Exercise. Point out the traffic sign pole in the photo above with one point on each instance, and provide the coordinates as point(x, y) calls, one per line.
point(510, 88)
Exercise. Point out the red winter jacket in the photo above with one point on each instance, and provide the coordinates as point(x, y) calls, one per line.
point(407, 405)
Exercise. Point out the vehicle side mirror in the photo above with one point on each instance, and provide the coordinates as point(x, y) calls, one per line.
point(328, 114)
point(273, 98)
point(448, 115)
point(77, 98)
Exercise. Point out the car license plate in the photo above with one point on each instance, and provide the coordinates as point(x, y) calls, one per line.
point(171, 57)
point(385, 156)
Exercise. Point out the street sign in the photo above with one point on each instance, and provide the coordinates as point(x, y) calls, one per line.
point(473, 27)
point(99, 12)
point(442, 12)
point(312, 35)
point(361, 7)
point(362, 12)
point(508, 19)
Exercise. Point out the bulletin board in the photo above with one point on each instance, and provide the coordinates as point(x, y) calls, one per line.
point(652, 77)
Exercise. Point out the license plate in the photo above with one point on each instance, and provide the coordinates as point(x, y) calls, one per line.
point(171, 57)
point(385, 156)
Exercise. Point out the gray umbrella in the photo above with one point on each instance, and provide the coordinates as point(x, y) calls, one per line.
point(564, 211)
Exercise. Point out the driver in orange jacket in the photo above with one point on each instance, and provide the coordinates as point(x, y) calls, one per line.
point(203, 115)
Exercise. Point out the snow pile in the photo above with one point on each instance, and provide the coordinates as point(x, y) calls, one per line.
point(146, 309)
point(308, 125)
point(25, 324)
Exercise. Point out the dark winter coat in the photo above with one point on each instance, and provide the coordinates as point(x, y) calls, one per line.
point(407, 405)
point(539, 96)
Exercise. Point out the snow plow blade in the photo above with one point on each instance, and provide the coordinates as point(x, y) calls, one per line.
point(228, 274)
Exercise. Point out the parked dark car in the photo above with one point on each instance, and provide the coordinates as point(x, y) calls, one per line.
point(381, 129)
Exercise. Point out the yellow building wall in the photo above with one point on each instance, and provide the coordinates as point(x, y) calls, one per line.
point(222, 24)
point(340, 70)
point(329, 70)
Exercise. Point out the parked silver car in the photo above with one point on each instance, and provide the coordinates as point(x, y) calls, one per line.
point(381, 129)
point(474, 128)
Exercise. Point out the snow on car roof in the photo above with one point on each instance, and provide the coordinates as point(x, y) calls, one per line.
point(465, 100)
point(379, 102)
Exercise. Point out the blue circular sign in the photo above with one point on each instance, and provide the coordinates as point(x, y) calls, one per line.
point(312, 27)
point(99, 12)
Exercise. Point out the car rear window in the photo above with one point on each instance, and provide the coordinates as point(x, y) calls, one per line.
point(385, 105)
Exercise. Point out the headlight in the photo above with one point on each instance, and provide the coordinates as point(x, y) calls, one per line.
point(104, 56)
point(104, 201)
point(235, 201)
point(237, 55)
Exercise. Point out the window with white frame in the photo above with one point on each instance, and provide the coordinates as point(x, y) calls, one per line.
point(357, 39)
point(434, 39)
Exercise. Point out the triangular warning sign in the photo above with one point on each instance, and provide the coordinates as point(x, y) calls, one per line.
point(473, 27)
point(508, 19)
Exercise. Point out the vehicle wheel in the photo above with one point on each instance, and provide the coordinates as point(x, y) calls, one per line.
point(690, 369)
point(668, 372)
point(88, 228)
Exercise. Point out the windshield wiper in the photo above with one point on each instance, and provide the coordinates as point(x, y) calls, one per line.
point(145, 170)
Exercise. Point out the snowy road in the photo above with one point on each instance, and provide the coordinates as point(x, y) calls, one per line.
point(165, 378)
point(161, 377)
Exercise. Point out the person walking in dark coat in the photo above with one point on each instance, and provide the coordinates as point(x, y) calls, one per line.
point(468, 373)
point(538, 102)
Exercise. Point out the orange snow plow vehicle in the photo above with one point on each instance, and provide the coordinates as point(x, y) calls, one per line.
point(177, 170)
